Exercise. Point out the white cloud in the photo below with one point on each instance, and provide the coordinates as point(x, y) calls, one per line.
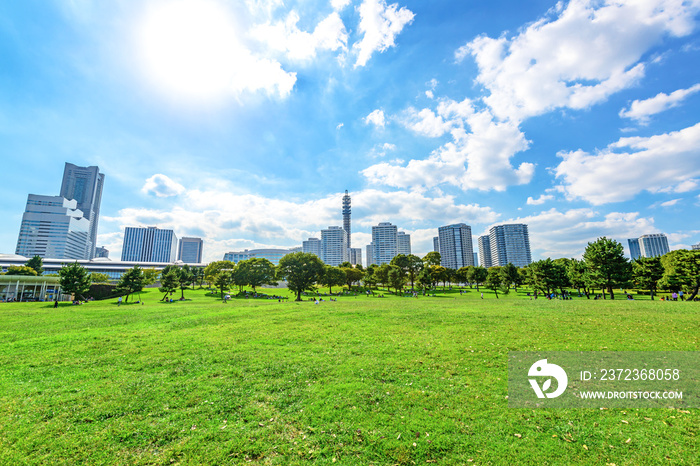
point(376, 118)
point(658, 163)
point(380, 150)
point(161, 186)
point(285, 36)
point(340, 4)
point(540, 200)
point(577, 56)
point(429, 94)
point(479, 159)
point(670, 203)
point(641, 110)
point(340, 125)
point(379, 24)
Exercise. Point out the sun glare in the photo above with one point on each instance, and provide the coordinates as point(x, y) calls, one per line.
point(189, 48)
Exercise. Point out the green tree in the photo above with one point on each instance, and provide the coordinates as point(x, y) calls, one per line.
point(222, 281)
point(682, 270)
point(494, 279)
point(560, 277)
point(440, 274)
point(150, 276)
point(368, 278)
point(75, 280)
point(541, 276)
point(607, 263)
point(301, 270)
point(647, 272)
point(198, 277)
point(410, 264)
point(424, 279)
point(332, 276)
point(184, 279)
point(36, 263)
point(462, 274)
point(381, 274)
point(97, 277)
point(510, 276)
point(352, 275)
point(169, 281)
point(255, 272)
point(397, 278)
point(213, 269)
point(131, 281)
point(20, 270)
point(576, 272)
point(432, 258)
point(477, 275)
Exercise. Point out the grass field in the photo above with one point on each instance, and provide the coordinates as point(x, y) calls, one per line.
point(357, 381)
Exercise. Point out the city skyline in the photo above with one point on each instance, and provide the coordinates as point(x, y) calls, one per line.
point(481, 114)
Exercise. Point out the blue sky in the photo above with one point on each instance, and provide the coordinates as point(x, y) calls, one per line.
point(245, 121)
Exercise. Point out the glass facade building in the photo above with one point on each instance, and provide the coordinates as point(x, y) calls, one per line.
point(149, 244)
point(84, 185)
point(456, 250)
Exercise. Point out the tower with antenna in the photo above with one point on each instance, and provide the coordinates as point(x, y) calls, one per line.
point(346, 216)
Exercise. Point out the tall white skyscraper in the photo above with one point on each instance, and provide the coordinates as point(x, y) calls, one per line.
point(54, 228)
point(312, 246)
point(149, 244)
point(652, 245)
point(369, 254)
point(510, 243)
point(356, 256)
point(403, 243)
point(334, 246)
point(485, 251)
point(385, 241)
point(190, 250)
point(456, 249)
point(84, 185)
point(633, 244)
point(436, 243)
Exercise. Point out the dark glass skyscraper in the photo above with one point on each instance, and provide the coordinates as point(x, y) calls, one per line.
point(84, 184)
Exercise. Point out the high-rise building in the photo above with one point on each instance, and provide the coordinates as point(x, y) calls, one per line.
point(510, 243)
point(485, 251)
point(456, 249)
point(84, 185)
point(635, 252)
point(696, 247)
point(346, 217)
point(403, 243)
point(190, 250)
point(654, 245)
point(312, 246)
point(369, 254)
point(356, 256)
point(385, 241)
point(102, 252)
point(149, 244)
point(476, 259)
point(53, 227)
point(334, 246)
point(436, 243)
point(273, 255)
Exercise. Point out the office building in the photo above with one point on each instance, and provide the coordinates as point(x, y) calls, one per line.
point(436, 243)
point(385, 242)
point(485, 251)
point(369, 254)
point(633, 244)
point(648, 246)
point(356, 256)
point(273, 255)
point(84, 185)
point(149, 244)
point(696, 247)
point(190, 250)
point(101, 253)
point(312, 246)
point(403, 243)
point(476, 259)
point(510, 243)
point(334, 246)
point(53, 227)
point(455, 243)
point(346, 217)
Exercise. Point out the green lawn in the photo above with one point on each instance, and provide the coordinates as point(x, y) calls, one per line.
point(379, 381)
